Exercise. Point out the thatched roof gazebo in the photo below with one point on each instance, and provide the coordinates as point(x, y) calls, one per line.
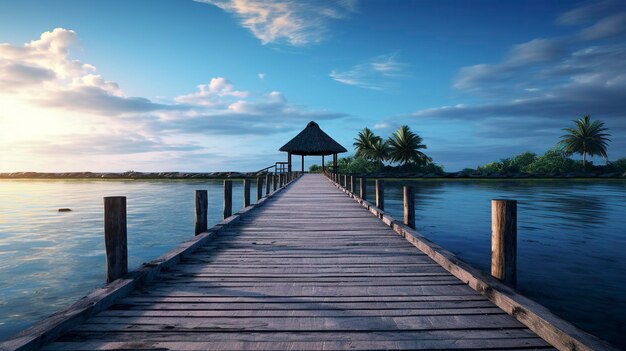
point(312, 141)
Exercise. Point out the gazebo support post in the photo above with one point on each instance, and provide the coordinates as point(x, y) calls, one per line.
point(302, 163)
point(323, 165)
point(334, 164)
point(289, 162)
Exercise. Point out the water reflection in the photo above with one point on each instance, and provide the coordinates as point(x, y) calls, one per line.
point(570, 240)
point(571, 236)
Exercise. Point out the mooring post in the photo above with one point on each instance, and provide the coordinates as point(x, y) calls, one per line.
point(259, 188)
point(380, 194)
point(202, 204)
point(228, 198)
point(409, 206)
point(115, 241)
point(504, 240)
point(363, 188)
point(267, 184)
point(246, 192)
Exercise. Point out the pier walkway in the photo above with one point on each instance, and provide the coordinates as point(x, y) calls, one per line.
point(310, 269)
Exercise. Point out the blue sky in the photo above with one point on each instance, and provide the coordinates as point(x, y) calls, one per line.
point(221, 85)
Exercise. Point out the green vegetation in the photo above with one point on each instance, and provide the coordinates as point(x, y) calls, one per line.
point(586, 138)
point(401, 153)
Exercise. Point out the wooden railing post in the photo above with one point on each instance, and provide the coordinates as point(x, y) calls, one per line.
point(352, 184)
point(409, 206)
point(202, 204)
point(504, 240)
point(363, 188)
point(275, 182)
point(380, 194)
point(267, 184)
point(228, 198)
point(280, 180)
point(345, 181)
point(115, 241)
point(246, 192)
point(259, 188)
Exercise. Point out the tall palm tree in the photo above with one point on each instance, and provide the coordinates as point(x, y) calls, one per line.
point(364, 142)
point(404, 146)
point(586, 138)
point(380, 151)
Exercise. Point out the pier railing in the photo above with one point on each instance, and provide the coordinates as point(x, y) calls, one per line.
point(503, 222)
point(115, 227)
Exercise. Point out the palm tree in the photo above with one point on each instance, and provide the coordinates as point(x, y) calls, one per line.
point(586, 138)
point(364, 142)
point(379, 151)
point(404, 146)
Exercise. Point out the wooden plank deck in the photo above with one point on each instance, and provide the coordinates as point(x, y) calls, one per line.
point(310, 269)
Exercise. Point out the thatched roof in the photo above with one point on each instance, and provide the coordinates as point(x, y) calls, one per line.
point(312, 141)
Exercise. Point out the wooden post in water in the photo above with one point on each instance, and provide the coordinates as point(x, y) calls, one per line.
point(202, 204)
point(504, 240)
point(363, 188)
point(409, 206)
point(115, 237)
point(228, 198)
point(246, 192)
point(380, 194)
point(267, 184)
point(259, 188)
point(352, 184)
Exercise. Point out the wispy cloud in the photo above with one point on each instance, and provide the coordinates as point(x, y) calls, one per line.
point(540, 86)
point(293, 22)
point(376, 73)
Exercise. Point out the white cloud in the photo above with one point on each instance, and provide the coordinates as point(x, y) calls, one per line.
point(294, 22)
point(261, 76)
point(212, 94)
point(376, 74)
point(57, 108)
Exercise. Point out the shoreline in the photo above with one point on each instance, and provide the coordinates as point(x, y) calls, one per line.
point(240, 175)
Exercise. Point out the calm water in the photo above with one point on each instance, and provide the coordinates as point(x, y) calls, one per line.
point(571, 238)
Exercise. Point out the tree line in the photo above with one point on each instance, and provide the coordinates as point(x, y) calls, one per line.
point(403, 152)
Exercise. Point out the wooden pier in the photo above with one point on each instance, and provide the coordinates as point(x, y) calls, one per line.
point(307, 268)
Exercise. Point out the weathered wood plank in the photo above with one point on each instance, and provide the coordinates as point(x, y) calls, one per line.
point(310, 269)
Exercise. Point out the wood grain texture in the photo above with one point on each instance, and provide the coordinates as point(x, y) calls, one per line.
point(504, 241)
point(201, 204)
point(558, 332)
point(310, 270)
point(228, 198)
point(115, 240)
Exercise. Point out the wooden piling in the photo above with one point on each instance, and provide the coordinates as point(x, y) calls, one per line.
point(275, 181)
point(246, 192)
point(352, 184)
point(380, 194)
point(267, 184)
point(115, 240)
point(363, 188)
point(409, 206)
point(259, 188)
point(228, 198)
point(202, 204)
point(345, 181)
point(504, 240)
